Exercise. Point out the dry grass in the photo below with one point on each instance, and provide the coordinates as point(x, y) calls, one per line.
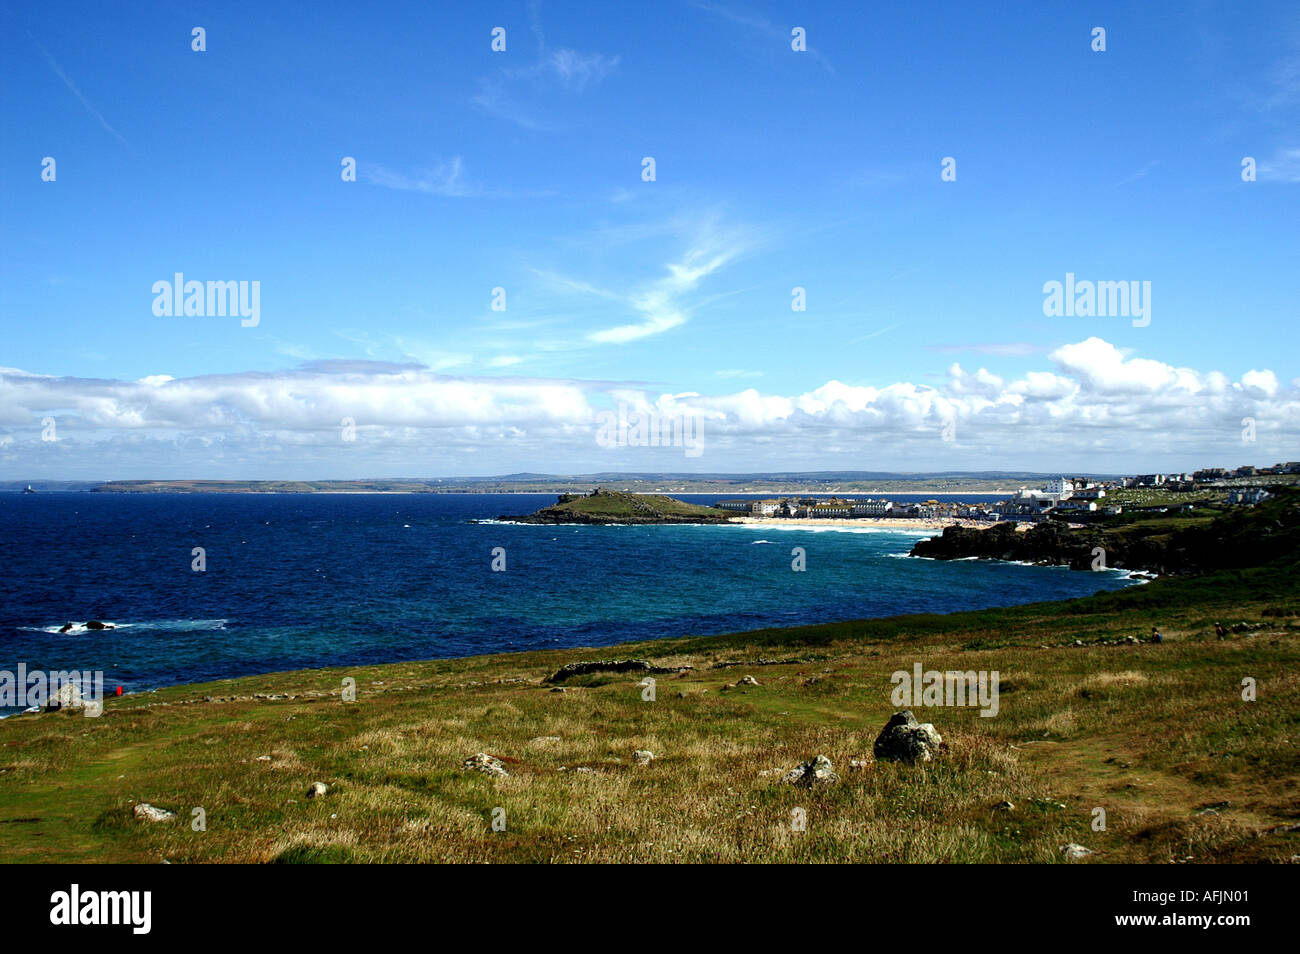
point(1151, 734)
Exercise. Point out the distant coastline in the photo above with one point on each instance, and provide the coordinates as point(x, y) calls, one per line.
point(741, 486)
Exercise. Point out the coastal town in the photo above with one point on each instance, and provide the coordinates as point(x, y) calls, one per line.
point(1069, 499)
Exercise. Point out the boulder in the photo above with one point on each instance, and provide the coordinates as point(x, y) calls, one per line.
point(569, 670)
point(317, 789)
point(747, 681)
point(815, 772)
point(152, 813)
point(903, 739)
point(1074, 852)
point(487, 764)
point(643, 757)
point(67, 697)
point(96, 624)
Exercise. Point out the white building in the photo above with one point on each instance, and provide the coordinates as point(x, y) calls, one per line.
point(1249, 496)
point(1060, 487)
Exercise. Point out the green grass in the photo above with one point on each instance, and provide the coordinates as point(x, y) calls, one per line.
point(1149, 733)
point(615, 506)
point(1157, 497)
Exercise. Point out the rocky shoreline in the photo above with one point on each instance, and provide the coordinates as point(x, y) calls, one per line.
point(1248, 537)
point(1049, 543)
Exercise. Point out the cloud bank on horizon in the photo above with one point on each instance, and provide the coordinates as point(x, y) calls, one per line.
point(1093, 409)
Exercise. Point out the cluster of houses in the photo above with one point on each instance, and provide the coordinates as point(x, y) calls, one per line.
point(1067, 498)
point(832, 507)
point(1208, 475)
point(1062, 498)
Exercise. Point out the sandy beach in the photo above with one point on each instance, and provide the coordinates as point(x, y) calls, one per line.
point(882, 523)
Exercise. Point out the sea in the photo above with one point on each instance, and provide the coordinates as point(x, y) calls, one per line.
point(290, 581)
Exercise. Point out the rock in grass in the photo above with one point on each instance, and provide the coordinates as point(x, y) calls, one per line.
point(488, 765)
point(152, 812)
point(569, 670)
point(317, 789)
point(1074, 852)
point(903, 739)
point(68, 697)
point(747, 681)
point(818, 771)
point(643, 757)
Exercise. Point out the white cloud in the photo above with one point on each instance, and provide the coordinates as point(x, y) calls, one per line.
point(1260, 383)
point(1103, 368)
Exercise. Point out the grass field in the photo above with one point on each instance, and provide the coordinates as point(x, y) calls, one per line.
point(1152, 734)
point(614, 506)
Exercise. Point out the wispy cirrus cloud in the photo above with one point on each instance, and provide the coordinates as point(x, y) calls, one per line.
point(1142, 173)
point(875, 334)
point(770, 33)
point(664, 304)
point(519, 94)
point(1282, 166)
point(446, 178)
point(1283, 78)
point(72, 88)
point(576, 71)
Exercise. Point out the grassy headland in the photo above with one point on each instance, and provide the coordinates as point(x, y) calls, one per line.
point(1157, 735)
point(612, 506)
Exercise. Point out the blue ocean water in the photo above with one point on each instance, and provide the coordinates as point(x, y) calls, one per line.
point(300, 580)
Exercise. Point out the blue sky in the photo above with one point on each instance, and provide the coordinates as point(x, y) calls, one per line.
point(523, 170)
